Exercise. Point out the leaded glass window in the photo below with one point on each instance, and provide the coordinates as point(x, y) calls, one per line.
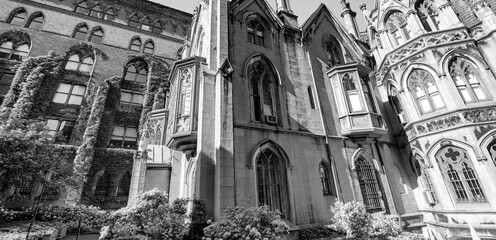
point(136, 72)
point(428, 14)
point(184, 101)
point(369, 183)
point(256, 32)
point(74, 63)
point(459, 172)
point(467, 80)
point(263, 92)
point(424, 89)
point(397, 27)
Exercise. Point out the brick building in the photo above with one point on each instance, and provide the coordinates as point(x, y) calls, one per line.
point(134, 41)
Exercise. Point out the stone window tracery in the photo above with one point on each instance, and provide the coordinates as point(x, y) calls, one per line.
point(136, 71)
point(13, 51)
point(333, 50)
point(369, 183)
point(425, 91)
point(263, 91)
point(36, 21)
point(326, 179)
point(428, 14)
point(466, 77)
point(398, 28)
point(458, 171)
point(256, 32)
point(272, 181)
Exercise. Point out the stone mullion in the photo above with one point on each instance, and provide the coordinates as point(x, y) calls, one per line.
point(414, 23)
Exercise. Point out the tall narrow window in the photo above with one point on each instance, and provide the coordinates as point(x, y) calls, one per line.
point(124, 137)
point(263, 91)
point(184, 101)
point(145, 25)
point(333, 50)
point(394, 100)
point(96, 11)
point(369, 184)
point(326, 179)
point(135, 45)
point(157, 27)
point(256, 32)
point(124, 185)
point(69, 94)
point(136, 72)
point(367, 93)
point(397, 27)
point(423, 87)
point(81, 32)
point(351, 92)
point(82, 7)
point(19, 17)
point(109, 15)
point(74, 63)
point(96, 36)
point(149, 47)
point(467, 80)
point(272, 182)
point(36, 21)
point(458, 171)
point(103, 185)
point(5, 82)
point(423, 173)
point(310, 97)
point(428, 14)
point(134, 22)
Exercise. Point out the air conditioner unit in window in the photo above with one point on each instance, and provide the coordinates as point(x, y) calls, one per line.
point(430, 197)
point(269, 119)
point(403, 118)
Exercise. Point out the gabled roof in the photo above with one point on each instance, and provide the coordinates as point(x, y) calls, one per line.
point(265, 6)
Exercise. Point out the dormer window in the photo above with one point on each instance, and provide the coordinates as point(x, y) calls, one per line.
point(397, 27)
point(428, 15)
point(255, 32)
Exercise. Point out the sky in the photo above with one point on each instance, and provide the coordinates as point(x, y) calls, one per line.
point(302, 8)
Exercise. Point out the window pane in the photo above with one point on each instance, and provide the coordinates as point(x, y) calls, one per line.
point(424, 104)
point(96, 38)
point(130, 76)
point(479, 93)
point(465, 94)
point(131, 132)
point(7, 79)
point(64, 88)
point(438, 101)
point(78, 89)
point(52, 125)
point(72, 65)
point(86, 68)
point(75, 100)
point(354, 101)
point(137, 98)
point(141, 78)
point(37, 22)
point(118, 131)
point(126, 97)
point(18, 19)
point(60, 98)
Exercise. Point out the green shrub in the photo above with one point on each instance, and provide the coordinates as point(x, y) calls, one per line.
point(198, 218)
point(317, 233)
point(247, 223)
point(150, 216)
point(383, 226)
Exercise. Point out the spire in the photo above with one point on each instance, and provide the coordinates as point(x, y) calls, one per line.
point(349, 19)
point(283, 5)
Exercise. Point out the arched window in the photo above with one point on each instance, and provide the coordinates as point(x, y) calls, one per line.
point(149, 47)
point(145, 25)
point(81, 32)
point(422, 172)
point(458, 171)
point(424, 89)
point(124, 185)
point(97, 36)
point(135, 45)
point(103, 184)
point(256, 32)
point(136, 71)
point(394, 100)
point(36, 21)
point(326, 180)
point(96, 11)
point(397, 27)
point(467, 80)
point(369, 183)
point(272, 181)
point(428, 14)
point(18, 17)
point(82, 7)
point(74, 63)
point(351, 93)
point(333, 50)
point(263, 90)
point(9, 51)
point(157, 27)
point(109, 15)
point(134, 22)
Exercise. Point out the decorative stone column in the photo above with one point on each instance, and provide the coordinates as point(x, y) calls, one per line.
point(414, 23)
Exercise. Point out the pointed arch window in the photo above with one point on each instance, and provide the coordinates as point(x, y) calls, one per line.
point(428, 14)
point(134, 22)
point(145, 25)
point(82, 7)
point(74, 63)
point(397, 27)
point(96, 11)
point(272, 181)
point(18, 17)
point(36, 21)
point(351, 92)
point(136, 72)
point(9, 51)
point(157, 27)
point(467, 80)
point(326, 179)
point(81, 32)
point(458, 170)
point(422, 171)
point(263, 91)
point(367, 93)
point(124, 185)
point(149, 47)
point(256, 32)
point(103, 185)
point(394, 100)
point(369, 184)
point(333, 50)
point(425, 91)
point(135, 45)
point(96, 36)
point(109, 14)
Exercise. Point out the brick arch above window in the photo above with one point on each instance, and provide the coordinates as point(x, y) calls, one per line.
point(15, 45)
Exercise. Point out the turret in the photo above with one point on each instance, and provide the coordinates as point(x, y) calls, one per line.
point(349, 19)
